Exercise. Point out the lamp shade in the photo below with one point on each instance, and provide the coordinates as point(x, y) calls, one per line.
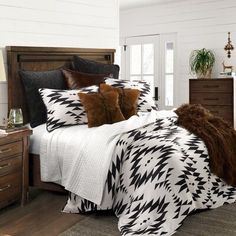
point(2, 68)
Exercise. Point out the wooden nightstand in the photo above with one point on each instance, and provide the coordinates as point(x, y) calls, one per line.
point(14, 167)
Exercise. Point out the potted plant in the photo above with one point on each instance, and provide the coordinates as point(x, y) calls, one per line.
point(201, 62)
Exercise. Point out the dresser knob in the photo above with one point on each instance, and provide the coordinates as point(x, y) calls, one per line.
point(5, 150)
point(211, 99)
point(211, 86)
point(5, 166)
point(4, 188)
point(214, 112)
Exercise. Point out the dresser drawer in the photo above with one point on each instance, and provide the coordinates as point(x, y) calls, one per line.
point(10, 149)
point(225, 112)
point(10, 165)
point(212, 85)
point(10, 187)
point(211, 98)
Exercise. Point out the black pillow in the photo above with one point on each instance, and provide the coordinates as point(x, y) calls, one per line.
point(93, 67)
point(32, 81)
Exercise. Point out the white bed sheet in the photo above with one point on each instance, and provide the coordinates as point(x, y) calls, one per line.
point(40, 131)
point(36, 137)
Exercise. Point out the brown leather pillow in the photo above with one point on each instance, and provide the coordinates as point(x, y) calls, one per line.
point(101, 108)
point(128, 99)
point(77, 80)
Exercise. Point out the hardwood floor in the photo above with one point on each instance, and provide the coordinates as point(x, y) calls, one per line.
point(41, 216)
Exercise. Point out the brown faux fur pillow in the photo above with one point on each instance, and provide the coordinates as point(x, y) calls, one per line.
point(102, 108)
point(128, 99)
point(77, 80)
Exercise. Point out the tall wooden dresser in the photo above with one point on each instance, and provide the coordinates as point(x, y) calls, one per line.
point(217, 95)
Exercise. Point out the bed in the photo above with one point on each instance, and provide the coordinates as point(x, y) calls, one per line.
point(41, 59)
point(148, 169)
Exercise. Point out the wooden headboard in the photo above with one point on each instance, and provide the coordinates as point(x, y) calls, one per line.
point(42, 59)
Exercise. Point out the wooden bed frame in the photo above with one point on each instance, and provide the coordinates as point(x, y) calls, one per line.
point(42, 59)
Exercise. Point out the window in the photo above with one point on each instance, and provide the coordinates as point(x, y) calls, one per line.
point(169, 74)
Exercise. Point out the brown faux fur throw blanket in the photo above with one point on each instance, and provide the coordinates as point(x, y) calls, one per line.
point(218, 136)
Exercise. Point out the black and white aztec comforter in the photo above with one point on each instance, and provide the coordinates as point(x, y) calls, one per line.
point(158, 175)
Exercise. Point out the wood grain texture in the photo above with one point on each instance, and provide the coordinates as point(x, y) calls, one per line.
point(41, 216)
point(14, 165)
point(25, 170)
point(10, 149)
point(42, 59)
point(209, 85)
point(10, 164)
point(217, 95)
point(11, 186)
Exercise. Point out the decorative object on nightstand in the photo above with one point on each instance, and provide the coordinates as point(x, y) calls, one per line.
point(16, 117)
point(14, 166)
point(217, 95)
point(201, 63)
point(229, 46)
point(2, 68)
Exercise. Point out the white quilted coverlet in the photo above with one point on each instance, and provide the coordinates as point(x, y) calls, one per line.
point(78, 157)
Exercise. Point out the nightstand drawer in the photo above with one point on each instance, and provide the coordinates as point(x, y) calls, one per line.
point(211, 98)
point(14, 167)
point(212, 85)
point(11, 149)
point(10, 165)
point(10, 187)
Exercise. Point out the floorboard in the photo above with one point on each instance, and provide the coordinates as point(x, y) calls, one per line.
point(41, 216)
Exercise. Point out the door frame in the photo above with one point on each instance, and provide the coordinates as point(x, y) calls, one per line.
point(143, 39)
point(159, 41)
point(166, 38)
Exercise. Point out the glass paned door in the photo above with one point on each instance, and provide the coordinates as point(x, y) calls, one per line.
point(141, 59)
point(152, 58)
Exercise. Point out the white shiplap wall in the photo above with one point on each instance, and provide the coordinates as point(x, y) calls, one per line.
point(198, 24)
point(57, 23)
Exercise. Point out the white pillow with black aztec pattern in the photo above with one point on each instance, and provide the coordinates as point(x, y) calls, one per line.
point(64, 107)
point(145, 101)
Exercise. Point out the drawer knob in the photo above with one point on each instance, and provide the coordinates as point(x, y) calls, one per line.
point(211, 86)
point(211, 99)
point(5, 150)
point(4, 188)
point(215, 112)
point(5, 166)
